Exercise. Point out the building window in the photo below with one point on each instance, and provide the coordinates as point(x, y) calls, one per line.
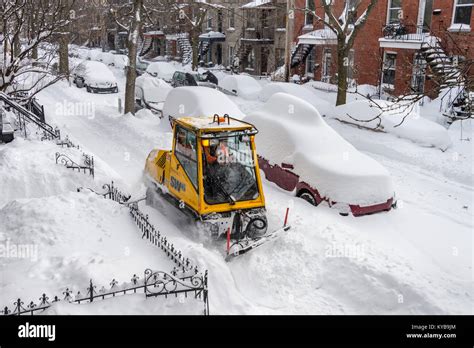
point(389, 65)
point(327, 61)
point(395, 12)
point(230, 59)
point(462, 12)
point(232, 18)
point(310, 61)
point(418, 76)
point(281, 19)
point(251, 60)
point(209, 21)
point(308, 18)
point(350, 66)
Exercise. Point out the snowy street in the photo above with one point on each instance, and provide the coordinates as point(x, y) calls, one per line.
point(416, 259)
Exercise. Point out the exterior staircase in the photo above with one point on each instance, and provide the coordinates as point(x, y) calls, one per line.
point(185, 48)
point(146, 46)
point(25, 116)
point(299, 55)
point(455, 96)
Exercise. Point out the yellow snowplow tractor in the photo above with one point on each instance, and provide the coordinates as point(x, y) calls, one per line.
point(212, 173)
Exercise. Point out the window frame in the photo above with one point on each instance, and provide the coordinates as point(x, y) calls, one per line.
point(178, 152)
point(391, 67)
point(310, 5)
point(456, 5)
point(390, 8)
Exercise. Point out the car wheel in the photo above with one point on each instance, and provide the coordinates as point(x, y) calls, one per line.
point(79, 83)
point(308, 197)
point(88, 89)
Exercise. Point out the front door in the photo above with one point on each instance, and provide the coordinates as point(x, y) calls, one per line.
point(425, 15)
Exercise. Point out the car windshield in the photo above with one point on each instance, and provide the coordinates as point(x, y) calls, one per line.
point(198, 77)
point(229, 169)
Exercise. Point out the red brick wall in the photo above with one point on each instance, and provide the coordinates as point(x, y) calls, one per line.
point(369, 55)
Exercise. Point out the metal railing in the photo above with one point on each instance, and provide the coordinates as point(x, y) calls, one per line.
point(153, 284)
point(405, 32)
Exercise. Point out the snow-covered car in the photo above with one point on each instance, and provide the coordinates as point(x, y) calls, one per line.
point(199, 102)
point(141, 66)
point(299, 91)
point(162, 70)
point(151, 92)
point(402, 119)
point(96, 77)
point(244, 86)
point(300, 153)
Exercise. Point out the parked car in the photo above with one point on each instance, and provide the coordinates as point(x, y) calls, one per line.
point(195, 102)
point(96, 77)
point(162, 70)
point(300, 153)
point(141, 67)
point(151, 93)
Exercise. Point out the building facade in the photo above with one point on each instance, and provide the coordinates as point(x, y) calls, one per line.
point(405, 46)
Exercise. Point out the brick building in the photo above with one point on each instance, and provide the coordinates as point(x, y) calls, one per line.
point(406, 45)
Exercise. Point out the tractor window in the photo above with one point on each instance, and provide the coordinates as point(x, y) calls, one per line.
point(185, 152)
point(229, 170)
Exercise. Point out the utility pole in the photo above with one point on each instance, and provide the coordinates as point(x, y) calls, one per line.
point(290, 16)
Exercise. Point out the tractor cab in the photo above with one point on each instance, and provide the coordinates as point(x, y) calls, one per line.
point(212, 171)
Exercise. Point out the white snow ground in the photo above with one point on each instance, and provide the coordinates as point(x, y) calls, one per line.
point(413, 260)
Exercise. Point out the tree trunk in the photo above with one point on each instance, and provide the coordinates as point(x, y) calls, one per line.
point(132, 57)
point(342, 62)
point(104, 42)
point(195, 46)
point(64, 54)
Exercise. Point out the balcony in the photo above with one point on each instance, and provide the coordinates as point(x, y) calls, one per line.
point(262, 35)
point(402, 36)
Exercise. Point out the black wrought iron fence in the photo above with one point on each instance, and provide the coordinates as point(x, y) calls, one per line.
point(86, 167)
point(153, 284)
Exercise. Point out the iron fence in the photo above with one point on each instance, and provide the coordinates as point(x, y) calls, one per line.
point(87, 166)
point(153, 284)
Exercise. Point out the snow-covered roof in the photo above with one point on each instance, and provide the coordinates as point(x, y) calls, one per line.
point(318, 37)
point(257, 3)
point(212, 35)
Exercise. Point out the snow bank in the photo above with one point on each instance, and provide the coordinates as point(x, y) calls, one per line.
point(199, 102)
point(131, 304)
point(414, 127)
point(244, 85)
point(298, 91)
point(163, 70)
point(154, 90)
point(292, 131)
point(72, 238)
point(28, 169)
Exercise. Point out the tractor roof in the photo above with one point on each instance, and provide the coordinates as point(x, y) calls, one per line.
point(211, 124)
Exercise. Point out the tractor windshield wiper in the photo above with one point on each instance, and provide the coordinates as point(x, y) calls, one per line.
point(223, 190)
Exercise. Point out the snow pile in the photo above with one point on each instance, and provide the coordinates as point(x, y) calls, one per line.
point(412, 127)
point(292, 131)
point(70, 239)
point(97, 73)
point(299, 91)
point(245, 86)
point(162, 70)
point(131, 304)
point(199, 102)
point(29, 169)
point(155, 90)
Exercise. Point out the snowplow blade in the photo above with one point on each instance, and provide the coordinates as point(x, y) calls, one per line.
point(241, 247)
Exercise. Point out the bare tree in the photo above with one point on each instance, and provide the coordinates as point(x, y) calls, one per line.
point(129, 17)
point(27, 52)
point(346, 26)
